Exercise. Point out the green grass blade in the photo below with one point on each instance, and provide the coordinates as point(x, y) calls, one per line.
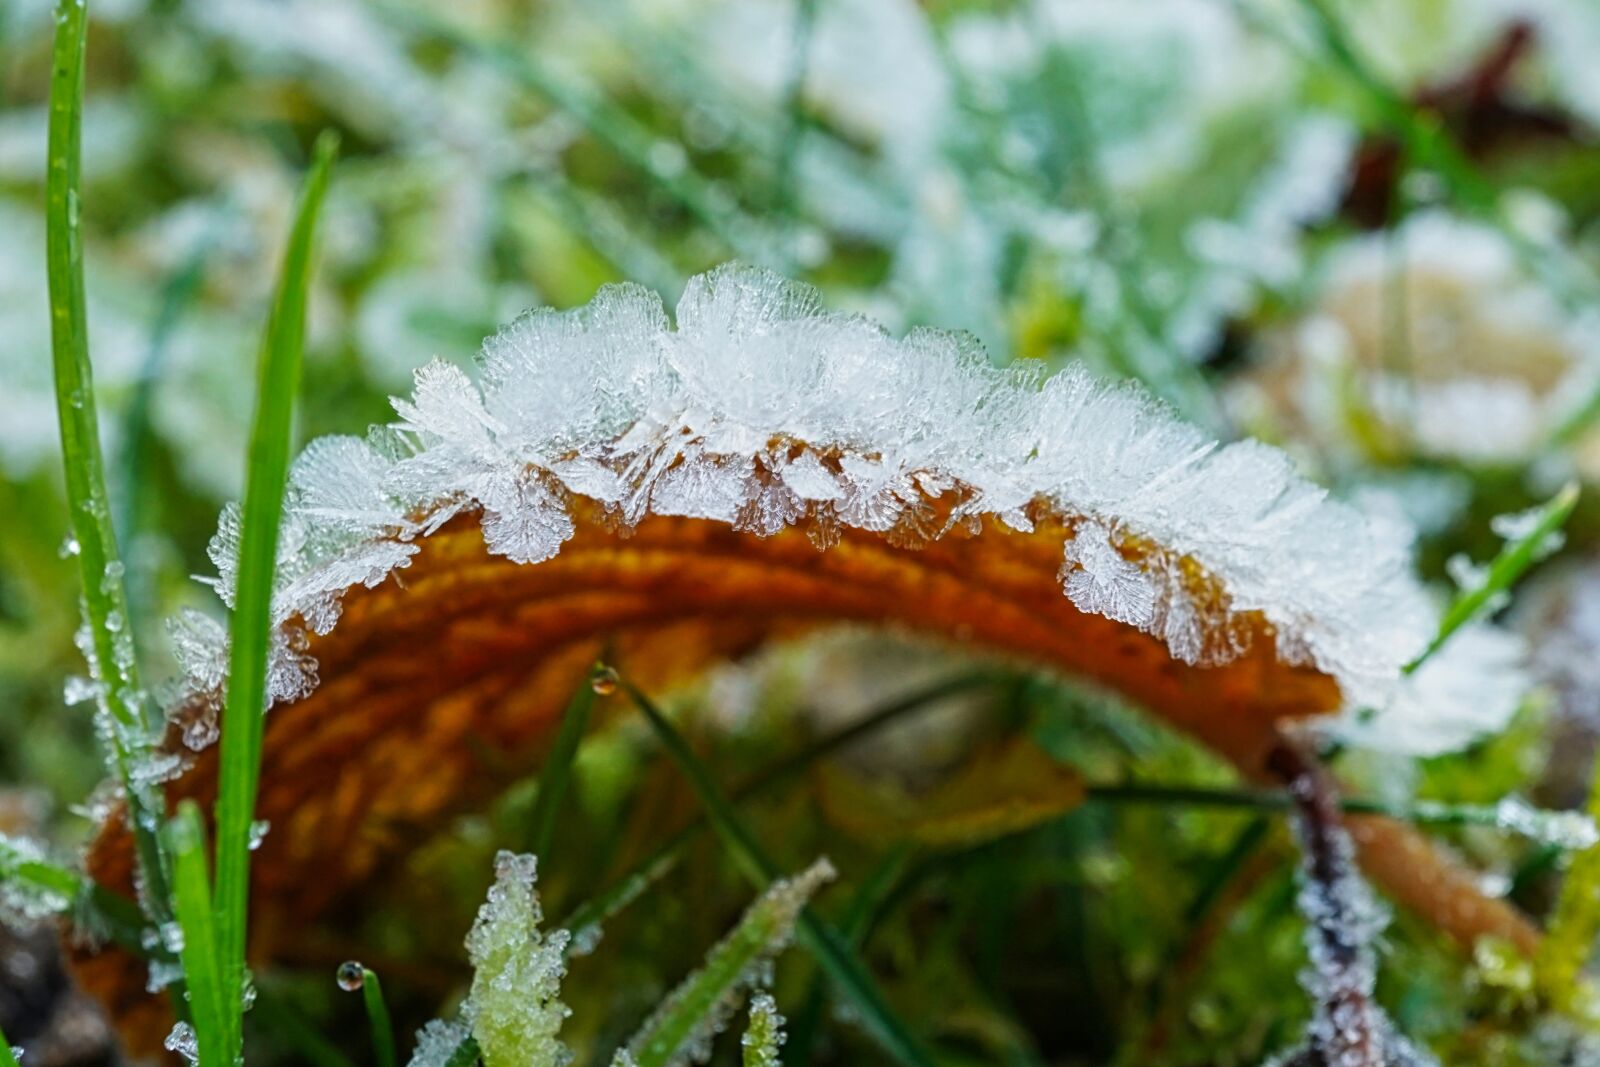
point(131, 724)
point(869, 898)
point(1514, 559)
point(832, 953)
point(191, 893)
point(7, 1057)
point(557, 771)
point(378, 1018)
point(694, 1012)
point(250, 633)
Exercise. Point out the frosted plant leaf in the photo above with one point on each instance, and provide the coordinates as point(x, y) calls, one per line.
point(764, 412)
point(764, 1036)
point(681, 1029)
point(437, 1042)
point(514, 1007)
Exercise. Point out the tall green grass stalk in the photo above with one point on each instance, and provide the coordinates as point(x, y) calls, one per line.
point(250, 632)
point(128, 722)
point(7, 1057)
point(557, 772)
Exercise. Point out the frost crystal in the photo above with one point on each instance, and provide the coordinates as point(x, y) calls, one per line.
point(514, 1008)
point(437, 1042)
point(761, 411)
point(182, 1041)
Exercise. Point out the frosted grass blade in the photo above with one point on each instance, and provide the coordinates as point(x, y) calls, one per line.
point(127, 720)
point(832, 953)
point(250, 633)
point(7, 1057)
point(697, 1009)
point(1515, 558)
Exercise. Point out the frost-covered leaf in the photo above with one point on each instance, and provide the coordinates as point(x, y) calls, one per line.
point(514, 1007)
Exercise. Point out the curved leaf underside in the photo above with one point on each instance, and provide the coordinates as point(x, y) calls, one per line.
point(449, 676)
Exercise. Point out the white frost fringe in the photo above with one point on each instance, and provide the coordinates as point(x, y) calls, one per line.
point(610, 402)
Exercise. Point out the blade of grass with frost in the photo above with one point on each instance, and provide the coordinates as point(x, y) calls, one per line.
point(764, 1034)
point(8, 1055)
point(124, 711)
point(601, 906)
point(557, 771)
point(250, 632)
point(1515, 558)
point(864, 906)
point(57, 889)
point(191, 894)
point(682, 1028)
point(834, 956)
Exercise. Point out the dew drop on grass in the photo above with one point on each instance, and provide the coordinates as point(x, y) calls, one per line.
point(70, 548)
point(258, 832)
point(604, 680)
point(351, 976)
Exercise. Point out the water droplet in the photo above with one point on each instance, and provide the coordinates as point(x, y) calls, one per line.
point(351, 976)
point(604, 680)
point(258, 831)
point(70, 548)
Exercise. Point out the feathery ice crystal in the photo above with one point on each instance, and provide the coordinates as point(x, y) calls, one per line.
point(761, 411)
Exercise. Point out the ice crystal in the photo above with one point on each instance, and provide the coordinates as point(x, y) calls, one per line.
point(182, 1041)
point(761, 411)
point(437, 1042)
point(514, 1007)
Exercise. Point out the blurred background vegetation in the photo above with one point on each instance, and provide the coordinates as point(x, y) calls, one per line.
point(1365, 230)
